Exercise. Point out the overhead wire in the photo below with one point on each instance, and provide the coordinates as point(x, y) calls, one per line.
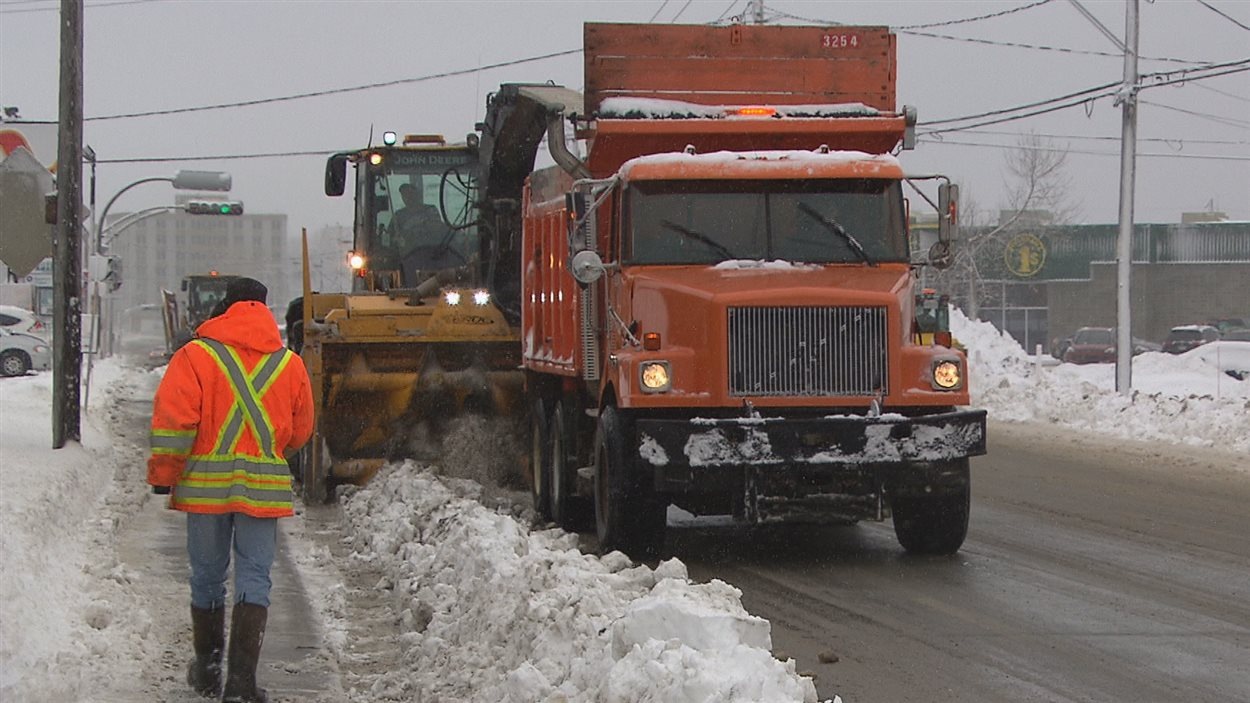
point(1227, 121)
point(1087, 137)
point(679, 12)
point(978, 18)
point(1219, 12)
point(57, 8)
point(657, 12)
point(335, 91)
point(1014, 147)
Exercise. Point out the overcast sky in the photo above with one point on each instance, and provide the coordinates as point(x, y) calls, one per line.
point(148, 55)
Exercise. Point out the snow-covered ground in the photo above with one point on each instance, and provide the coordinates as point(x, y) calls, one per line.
point(490, 609)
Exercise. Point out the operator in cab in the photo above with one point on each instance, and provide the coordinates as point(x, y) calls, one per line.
point(420, 233)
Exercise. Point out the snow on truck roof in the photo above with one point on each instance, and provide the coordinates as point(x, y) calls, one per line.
point(766, 164)
point(657, 108)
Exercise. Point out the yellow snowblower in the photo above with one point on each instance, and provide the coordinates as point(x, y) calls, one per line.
point(419, 339)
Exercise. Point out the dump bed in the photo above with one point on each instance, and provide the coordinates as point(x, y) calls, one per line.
point(740, 64)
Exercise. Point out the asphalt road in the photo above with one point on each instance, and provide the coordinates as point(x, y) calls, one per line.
point(1094, 570)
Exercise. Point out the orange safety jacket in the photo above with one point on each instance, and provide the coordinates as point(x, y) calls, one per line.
point(232, 403)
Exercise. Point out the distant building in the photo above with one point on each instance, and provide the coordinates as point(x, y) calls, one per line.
point(1041, 283)
point(158, 251)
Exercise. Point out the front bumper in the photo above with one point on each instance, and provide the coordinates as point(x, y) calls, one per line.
point(677, 446)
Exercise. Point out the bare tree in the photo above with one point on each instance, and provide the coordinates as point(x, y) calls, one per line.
point(1038, 193)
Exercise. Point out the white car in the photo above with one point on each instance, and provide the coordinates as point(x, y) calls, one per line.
point(18, 319)
point(21, 353)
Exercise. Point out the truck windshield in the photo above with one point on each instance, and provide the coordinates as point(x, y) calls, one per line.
point(421, 206)
point(810, 221)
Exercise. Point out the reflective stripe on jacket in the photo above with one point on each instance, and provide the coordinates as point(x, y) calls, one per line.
point(231, 404)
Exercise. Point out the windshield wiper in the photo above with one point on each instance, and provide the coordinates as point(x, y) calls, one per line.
point(698, 236)
point(839, 230)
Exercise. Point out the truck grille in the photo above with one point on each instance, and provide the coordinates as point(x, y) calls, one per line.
point(790, 351)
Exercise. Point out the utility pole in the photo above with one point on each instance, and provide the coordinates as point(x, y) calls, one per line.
point(1124, 243)
point(67, 264)
point(757, 7)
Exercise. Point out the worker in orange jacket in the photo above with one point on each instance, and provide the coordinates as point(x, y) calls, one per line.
point(232, 403)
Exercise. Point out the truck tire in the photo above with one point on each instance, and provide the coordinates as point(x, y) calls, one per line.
point(14, 363)
point(933, 524)
point(568, 510)
point(540, 462)
point(629, 516)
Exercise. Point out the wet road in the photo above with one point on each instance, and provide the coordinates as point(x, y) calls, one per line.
point(1094, 570)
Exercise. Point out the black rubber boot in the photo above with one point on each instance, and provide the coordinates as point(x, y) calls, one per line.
point(247, 632)
point(208, 637)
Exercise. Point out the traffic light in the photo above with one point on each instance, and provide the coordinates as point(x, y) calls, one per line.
point(215, 207)
point(113, 275)
point(202, 180)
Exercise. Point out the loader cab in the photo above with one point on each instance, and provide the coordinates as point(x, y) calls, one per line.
point(398, 243)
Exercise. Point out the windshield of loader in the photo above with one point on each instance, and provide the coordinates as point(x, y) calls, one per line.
point(810, 221)
point(422, 207)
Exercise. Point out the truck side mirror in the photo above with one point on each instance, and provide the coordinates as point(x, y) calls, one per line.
point(336, 175)
point(184, 285)
point(948, 212)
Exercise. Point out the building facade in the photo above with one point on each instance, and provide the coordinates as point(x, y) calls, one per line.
point(158, 251)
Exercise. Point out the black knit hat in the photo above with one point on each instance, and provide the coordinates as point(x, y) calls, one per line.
point(241, 289)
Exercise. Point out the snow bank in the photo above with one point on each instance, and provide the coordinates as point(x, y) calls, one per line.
point(496, 612)
point(1183, 399)
point(67, 616)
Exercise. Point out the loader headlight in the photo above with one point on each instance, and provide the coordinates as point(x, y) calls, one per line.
point(481, 297)
point(355, 261)
point(655, 376)
point(452, 297)
point(947, 375)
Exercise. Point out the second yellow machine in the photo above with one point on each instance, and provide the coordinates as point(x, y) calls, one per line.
point(418, 339)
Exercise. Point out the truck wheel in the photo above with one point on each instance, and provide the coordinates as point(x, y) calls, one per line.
point(933, 524)
point(540, 466)
point(629, 516)
point(567, 509)
point(14, 363)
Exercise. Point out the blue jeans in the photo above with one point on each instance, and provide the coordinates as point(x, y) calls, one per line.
point(209, 541)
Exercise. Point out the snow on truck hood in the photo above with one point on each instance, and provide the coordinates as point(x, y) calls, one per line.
point(779, 281)
point(763, 164)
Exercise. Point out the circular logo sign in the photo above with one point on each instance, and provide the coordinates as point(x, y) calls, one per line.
point(1025, 255)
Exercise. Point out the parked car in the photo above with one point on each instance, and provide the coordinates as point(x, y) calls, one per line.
point(1237, 335)
point(21, 352)
point(1095, 345)
point(1185, 337)
point(22, 320)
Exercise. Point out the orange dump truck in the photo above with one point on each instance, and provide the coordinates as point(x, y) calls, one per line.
point(717, 299)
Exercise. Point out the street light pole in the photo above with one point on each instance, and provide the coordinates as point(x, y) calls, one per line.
point(1128, 173)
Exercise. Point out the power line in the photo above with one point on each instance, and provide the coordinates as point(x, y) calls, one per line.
point(1225, 93)
point(1102, 90)
point(657, 12)
point(1228, 121)
point(1159, 79)
point(1002, 13)
point(1222, 14)
point(1161, 140)
point(732, 4)
point(56, 8)
point(219, 157)
point(1209, 157)
point(1043, 47)
point(336, 91)
point(679, 12)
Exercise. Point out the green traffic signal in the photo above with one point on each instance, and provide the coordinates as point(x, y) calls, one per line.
point(204, 207)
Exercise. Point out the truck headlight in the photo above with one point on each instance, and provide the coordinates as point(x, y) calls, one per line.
point(481, 297)
point(947, 375)
point(452, 297)
point(655, 376)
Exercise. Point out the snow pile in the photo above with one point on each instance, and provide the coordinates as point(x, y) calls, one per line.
point(68, 617)
point(493, 611)
point(1180, 399)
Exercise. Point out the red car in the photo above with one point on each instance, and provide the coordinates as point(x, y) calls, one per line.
point(1091, 345)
